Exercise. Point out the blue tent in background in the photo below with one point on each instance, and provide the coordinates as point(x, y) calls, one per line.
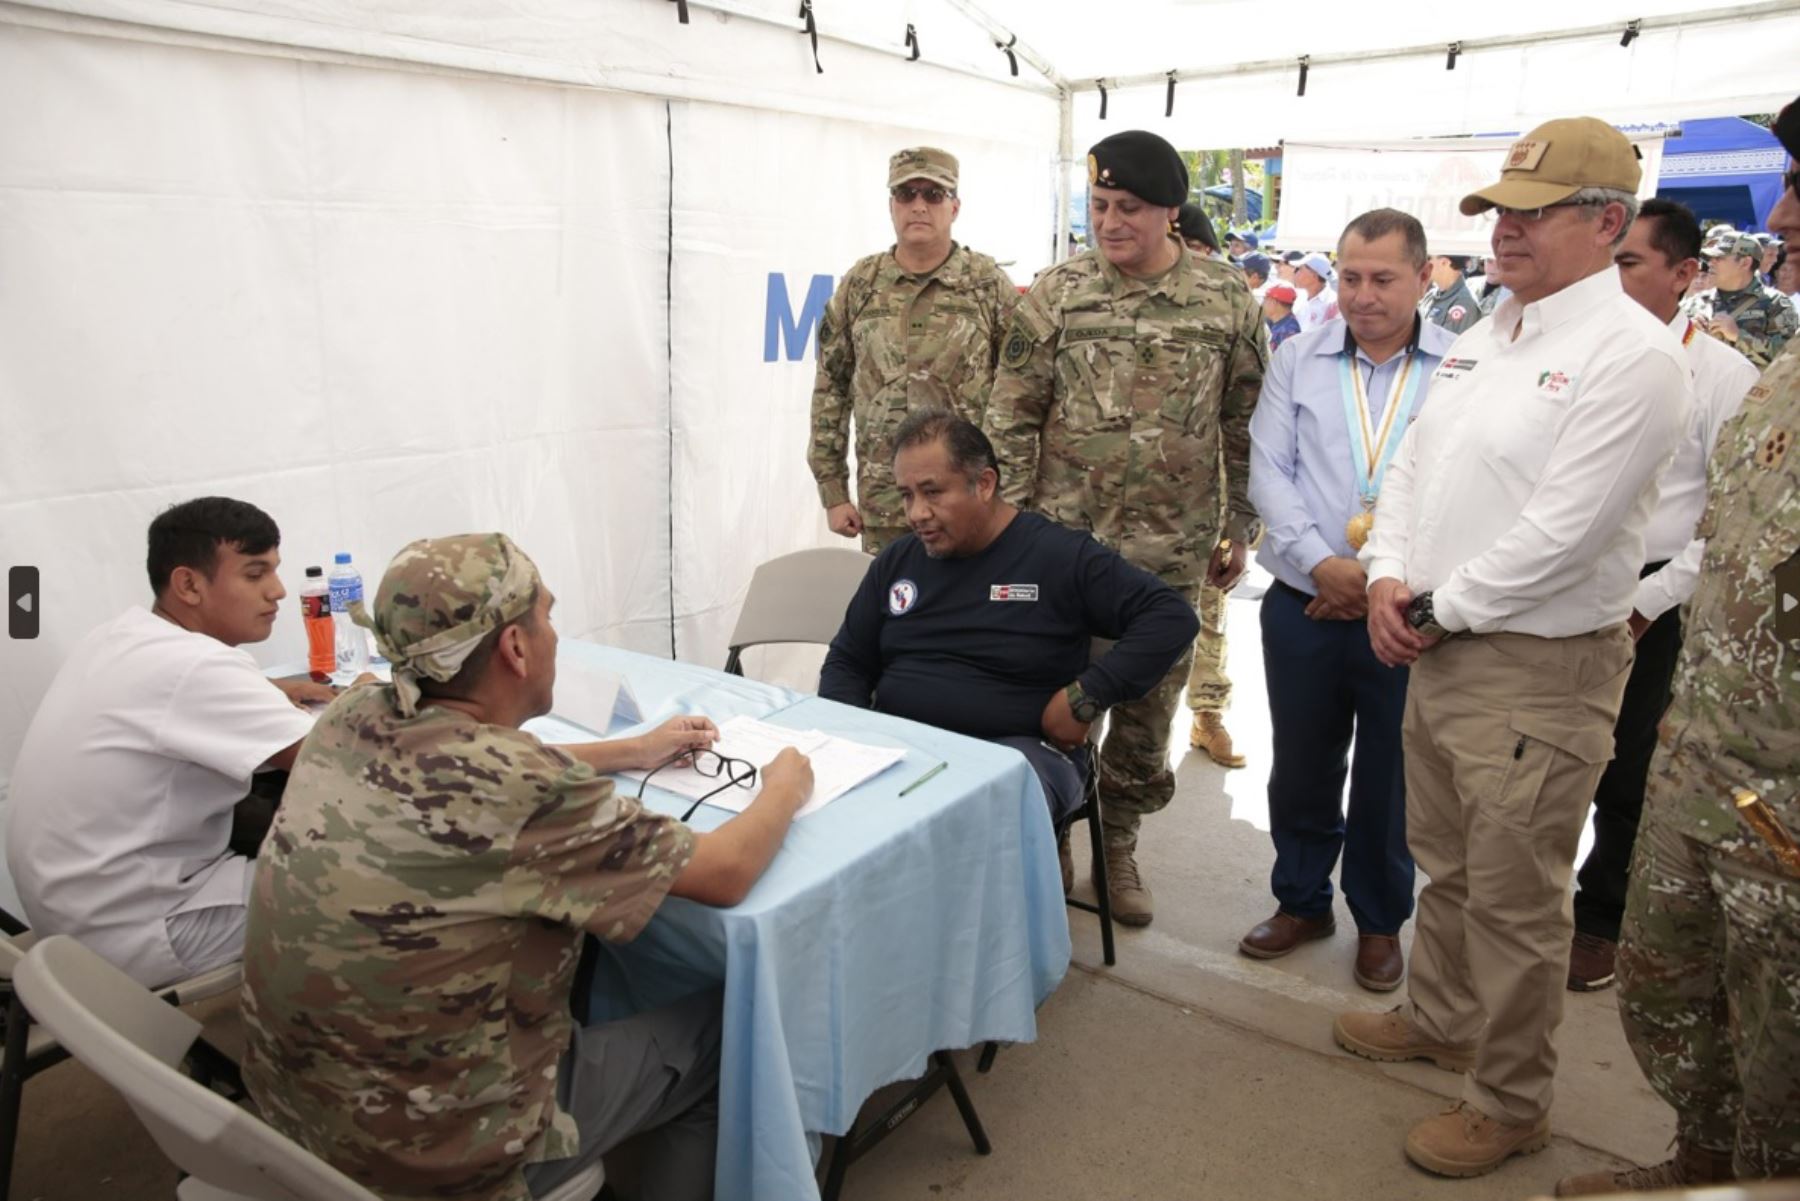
point(1725, 169)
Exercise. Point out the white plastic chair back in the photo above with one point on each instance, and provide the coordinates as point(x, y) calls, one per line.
point(799, 597)
point(135, 1042)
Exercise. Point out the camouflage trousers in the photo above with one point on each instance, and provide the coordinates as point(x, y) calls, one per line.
point(1208, 687)
point(876, 537)
point(1135, 776)
point(1709, 991)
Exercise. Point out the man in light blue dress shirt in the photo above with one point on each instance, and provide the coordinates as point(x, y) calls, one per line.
point(1335, 403)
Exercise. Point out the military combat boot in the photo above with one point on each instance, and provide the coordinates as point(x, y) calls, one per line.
point(1130, 899)
point(1691, 1167)
point(1209, 735)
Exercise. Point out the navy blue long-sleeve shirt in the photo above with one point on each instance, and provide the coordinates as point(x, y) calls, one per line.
point(979, 645)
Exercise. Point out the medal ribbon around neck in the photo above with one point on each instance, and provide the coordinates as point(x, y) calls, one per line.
point(1371, 450)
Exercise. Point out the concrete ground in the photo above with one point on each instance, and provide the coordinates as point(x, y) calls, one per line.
point(1186, 1071)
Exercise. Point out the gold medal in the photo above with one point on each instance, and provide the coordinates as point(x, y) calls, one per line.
point(1356, 532)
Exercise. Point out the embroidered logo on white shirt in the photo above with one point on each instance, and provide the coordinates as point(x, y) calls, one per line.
point(1012, 592)
point(1553, 383)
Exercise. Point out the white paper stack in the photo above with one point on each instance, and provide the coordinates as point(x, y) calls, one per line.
point(838, 764)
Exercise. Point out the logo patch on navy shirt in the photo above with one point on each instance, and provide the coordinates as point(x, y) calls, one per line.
point(1012, 592)
point(902, 596)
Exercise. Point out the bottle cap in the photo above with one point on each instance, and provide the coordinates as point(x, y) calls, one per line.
point(343, 556)
point(314, 571)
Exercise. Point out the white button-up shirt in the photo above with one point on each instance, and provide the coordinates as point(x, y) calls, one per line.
point(1720, 376)
point(1520, 496)
point(1313, 311)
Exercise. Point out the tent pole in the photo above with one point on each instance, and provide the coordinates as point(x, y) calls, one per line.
point(1006, 37)
point(1065, 162)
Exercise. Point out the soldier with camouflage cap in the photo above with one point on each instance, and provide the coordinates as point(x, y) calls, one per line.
point(1740, 309)
point(1709, 958)
point(1127, 377)
point(419, 908)
point(916, 326)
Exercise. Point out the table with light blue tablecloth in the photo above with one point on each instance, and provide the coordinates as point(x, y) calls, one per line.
point(887, 927)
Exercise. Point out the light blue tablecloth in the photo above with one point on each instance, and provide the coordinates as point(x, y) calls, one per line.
point(886, 928)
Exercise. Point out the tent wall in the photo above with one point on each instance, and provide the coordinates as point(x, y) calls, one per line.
point(384, 302)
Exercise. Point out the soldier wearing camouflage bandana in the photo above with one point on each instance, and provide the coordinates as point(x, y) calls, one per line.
point(1127, 377)
point(419, 907)
point(917, 326)
point(1709, 957)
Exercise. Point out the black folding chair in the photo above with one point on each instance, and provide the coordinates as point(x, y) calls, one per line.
point(864, 1135)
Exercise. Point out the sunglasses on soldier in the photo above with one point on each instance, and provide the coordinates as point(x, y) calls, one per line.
point(907, 193)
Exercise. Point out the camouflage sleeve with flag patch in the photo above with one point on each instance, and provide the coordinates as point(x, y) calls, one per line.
point(1024, 389)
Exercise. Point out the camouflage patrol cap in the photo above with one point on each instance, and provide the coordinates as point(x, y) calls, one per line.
point(440, 597)
point(1557, 160)
point(1139, 162)
point(1734, 246)
point(923, 162)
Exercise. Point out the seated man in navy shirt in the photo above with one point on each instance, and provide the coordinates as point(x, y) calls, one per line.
point(980, 620)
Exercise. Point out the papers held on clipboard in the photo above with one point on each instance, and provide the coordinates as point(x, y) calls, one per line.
point(838, 764)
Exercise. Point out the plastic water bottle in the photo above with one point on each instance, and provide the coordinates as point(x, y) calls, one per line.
point(346, 590)
point(321, 636)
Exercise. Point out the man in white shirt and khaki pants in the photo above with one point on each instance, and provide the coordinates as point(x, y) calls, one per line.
point(1503, 567)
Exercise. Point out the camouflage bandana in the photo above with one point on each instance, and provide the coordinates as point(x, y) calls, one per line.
point(439, 598)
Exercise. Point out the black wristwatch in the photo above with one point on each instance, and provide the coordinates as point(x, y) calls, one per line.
point(1086, 709)
point(1421, 617)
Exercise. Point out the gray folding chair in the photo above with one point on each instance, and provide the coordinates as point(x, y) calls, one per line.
point(133, 1040)
point(797, 598)
point(30, 1047)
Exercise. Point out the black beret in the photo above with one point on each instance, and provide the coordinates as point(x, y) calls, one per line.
point(1787, 129)
point(1195, 226)
point(1140, 163)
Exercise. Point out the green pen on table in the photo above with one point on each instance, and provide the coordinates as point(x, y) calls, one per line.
point(934, 771)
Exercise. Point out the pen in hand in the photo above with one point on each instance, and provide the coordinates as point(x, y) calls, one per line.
point(934, 771)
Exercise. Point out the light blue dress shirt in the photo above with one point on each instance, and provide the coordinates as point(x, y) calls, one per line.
point(1302, 480)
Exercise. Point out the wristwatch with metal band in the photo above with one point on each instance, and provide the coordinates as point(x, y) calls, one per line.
point(1421, 617)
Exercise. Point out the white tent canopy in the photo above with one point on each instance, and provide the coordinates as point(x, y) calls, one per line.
point(390, 269)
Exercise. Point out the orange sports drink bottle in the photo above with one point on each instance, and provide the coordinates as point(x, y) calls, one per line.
point(321, 635)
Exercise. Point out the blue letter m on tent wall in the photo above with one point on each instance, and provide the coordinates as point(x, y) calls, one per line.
point(780, 326)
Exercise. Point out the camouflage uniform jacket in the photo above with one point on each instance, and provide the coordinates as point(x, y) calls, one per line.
point(412, 938)
point(1765, 318)
point(1735, 720)
point(892, 342)
point(1117, 399)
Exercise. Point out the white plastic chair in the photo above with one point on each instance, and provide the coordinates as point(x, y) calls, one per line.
point(134, 1041)
point(797, 598)
point(30, 1048)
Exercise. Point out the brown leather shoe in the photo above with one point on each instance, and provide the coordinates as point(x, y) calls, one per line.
point(1380, 966)
point(1463, 1141)
point(1692, 1167)
point(1283, 932)
point(1390, 1038)
point(1591, 962)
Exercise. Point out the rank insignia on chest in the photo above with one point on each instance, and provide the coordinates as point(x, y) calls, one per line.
point(1773, 449)
point(1787, 599)
point(1146, 355)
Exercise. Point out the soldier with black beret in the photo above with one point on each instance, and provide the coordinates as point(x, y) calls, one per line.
point(1126, 379)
